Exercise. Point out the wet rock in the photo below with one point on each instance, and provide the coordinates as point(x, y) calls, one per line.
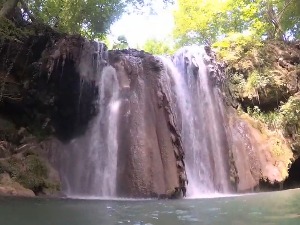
point(147, 164)
point(257, 153)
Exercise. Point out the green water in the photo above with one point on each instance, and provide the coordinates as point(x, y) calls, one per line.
point(264, 208)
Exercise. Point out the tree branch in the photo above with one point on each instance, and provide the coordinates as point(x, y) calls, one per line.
point(283, 10)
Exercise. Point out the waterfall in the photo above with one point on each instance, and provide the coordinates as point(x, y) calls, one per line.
point(154, 123)
point(200, 123)
point(103, 144)
point(89, 163)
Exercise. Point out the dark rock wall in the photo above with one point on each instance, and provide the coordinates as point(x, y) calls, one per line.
point(41, 94)
point(41, 86)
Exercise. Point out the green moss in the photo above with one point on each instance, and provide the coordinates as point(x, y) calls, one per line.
point(237, 83)
point(12, 166)
point(290, 121)
point(34, 175)
point(51, 187)
point(30, 171)
point(271, 118)
point(254, 75)
point(256, 84)
point(9, 31)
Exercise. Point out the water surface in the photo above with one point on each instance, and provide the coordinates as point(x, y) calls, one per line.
point(276, 208)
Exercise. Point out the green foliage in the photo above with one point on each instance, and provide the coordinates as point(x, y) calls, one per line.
point(29, 171)
point(235, 46)
point(72, 16)
point(290, 118)
point(121, 43)
point(91, 18)
point(257, 82)
point(35, 174)
point(253, 84)
point(286, 118)
point(237, 84)
point(284, 15)
point(198, 21)
point(271, 119)
point(8, 30)
point(251, 70)
point(157, 47)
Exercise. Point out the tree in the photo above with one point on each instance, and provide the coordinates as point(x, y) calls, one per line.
point(201, 21)
point(284, 16)
point(157, 47)
point(88, 17)
point(121, 43)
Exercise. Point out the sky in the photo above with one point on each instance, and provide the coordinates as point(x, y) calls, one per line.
point(139, 28)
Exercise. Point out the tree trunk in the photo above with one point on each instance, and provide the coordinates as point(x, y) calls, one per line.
point(8, 8)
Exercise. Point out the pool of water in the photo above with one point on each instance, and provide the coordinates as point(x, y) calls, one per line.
point(276, 208)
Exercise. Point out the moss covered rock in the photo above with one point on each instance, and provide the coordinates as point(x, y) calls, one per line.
point(261, 73)
point(30, 170)
point(10, 187)
point(264, 79)
point(290, 121)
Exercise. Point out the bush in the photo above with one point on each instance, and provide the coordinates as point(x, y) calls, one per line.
point(290, 120)
point(236, 45)
point(271, 119)
point(34, 175)
point(29, 171)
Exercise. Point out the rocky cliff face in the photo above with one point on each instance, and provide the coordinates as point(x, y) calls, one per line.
point(136, 122)
point(151, 154)
point(49, 88)
point(41, 94)
point(49, 97)
point(264, 85)
point(258, 154)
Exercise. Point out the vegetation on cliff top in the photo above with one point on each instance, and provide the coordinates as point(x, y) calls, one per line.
point(264, 78)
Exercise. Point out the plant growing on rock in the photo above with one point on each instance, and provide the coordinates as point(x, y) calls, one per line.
point(290, 120)
point(30, 171)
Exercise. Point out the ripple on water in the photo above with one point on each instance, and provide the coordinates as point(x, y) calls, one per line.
point(213, 209)
point(180, 212)
point(187, 218)
point(124, 222)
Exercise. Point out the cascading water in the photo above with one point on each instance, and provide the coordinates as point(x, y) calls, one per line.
point(103, 149)
point(92, 172)
point(202, 131)
point(165, 111)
